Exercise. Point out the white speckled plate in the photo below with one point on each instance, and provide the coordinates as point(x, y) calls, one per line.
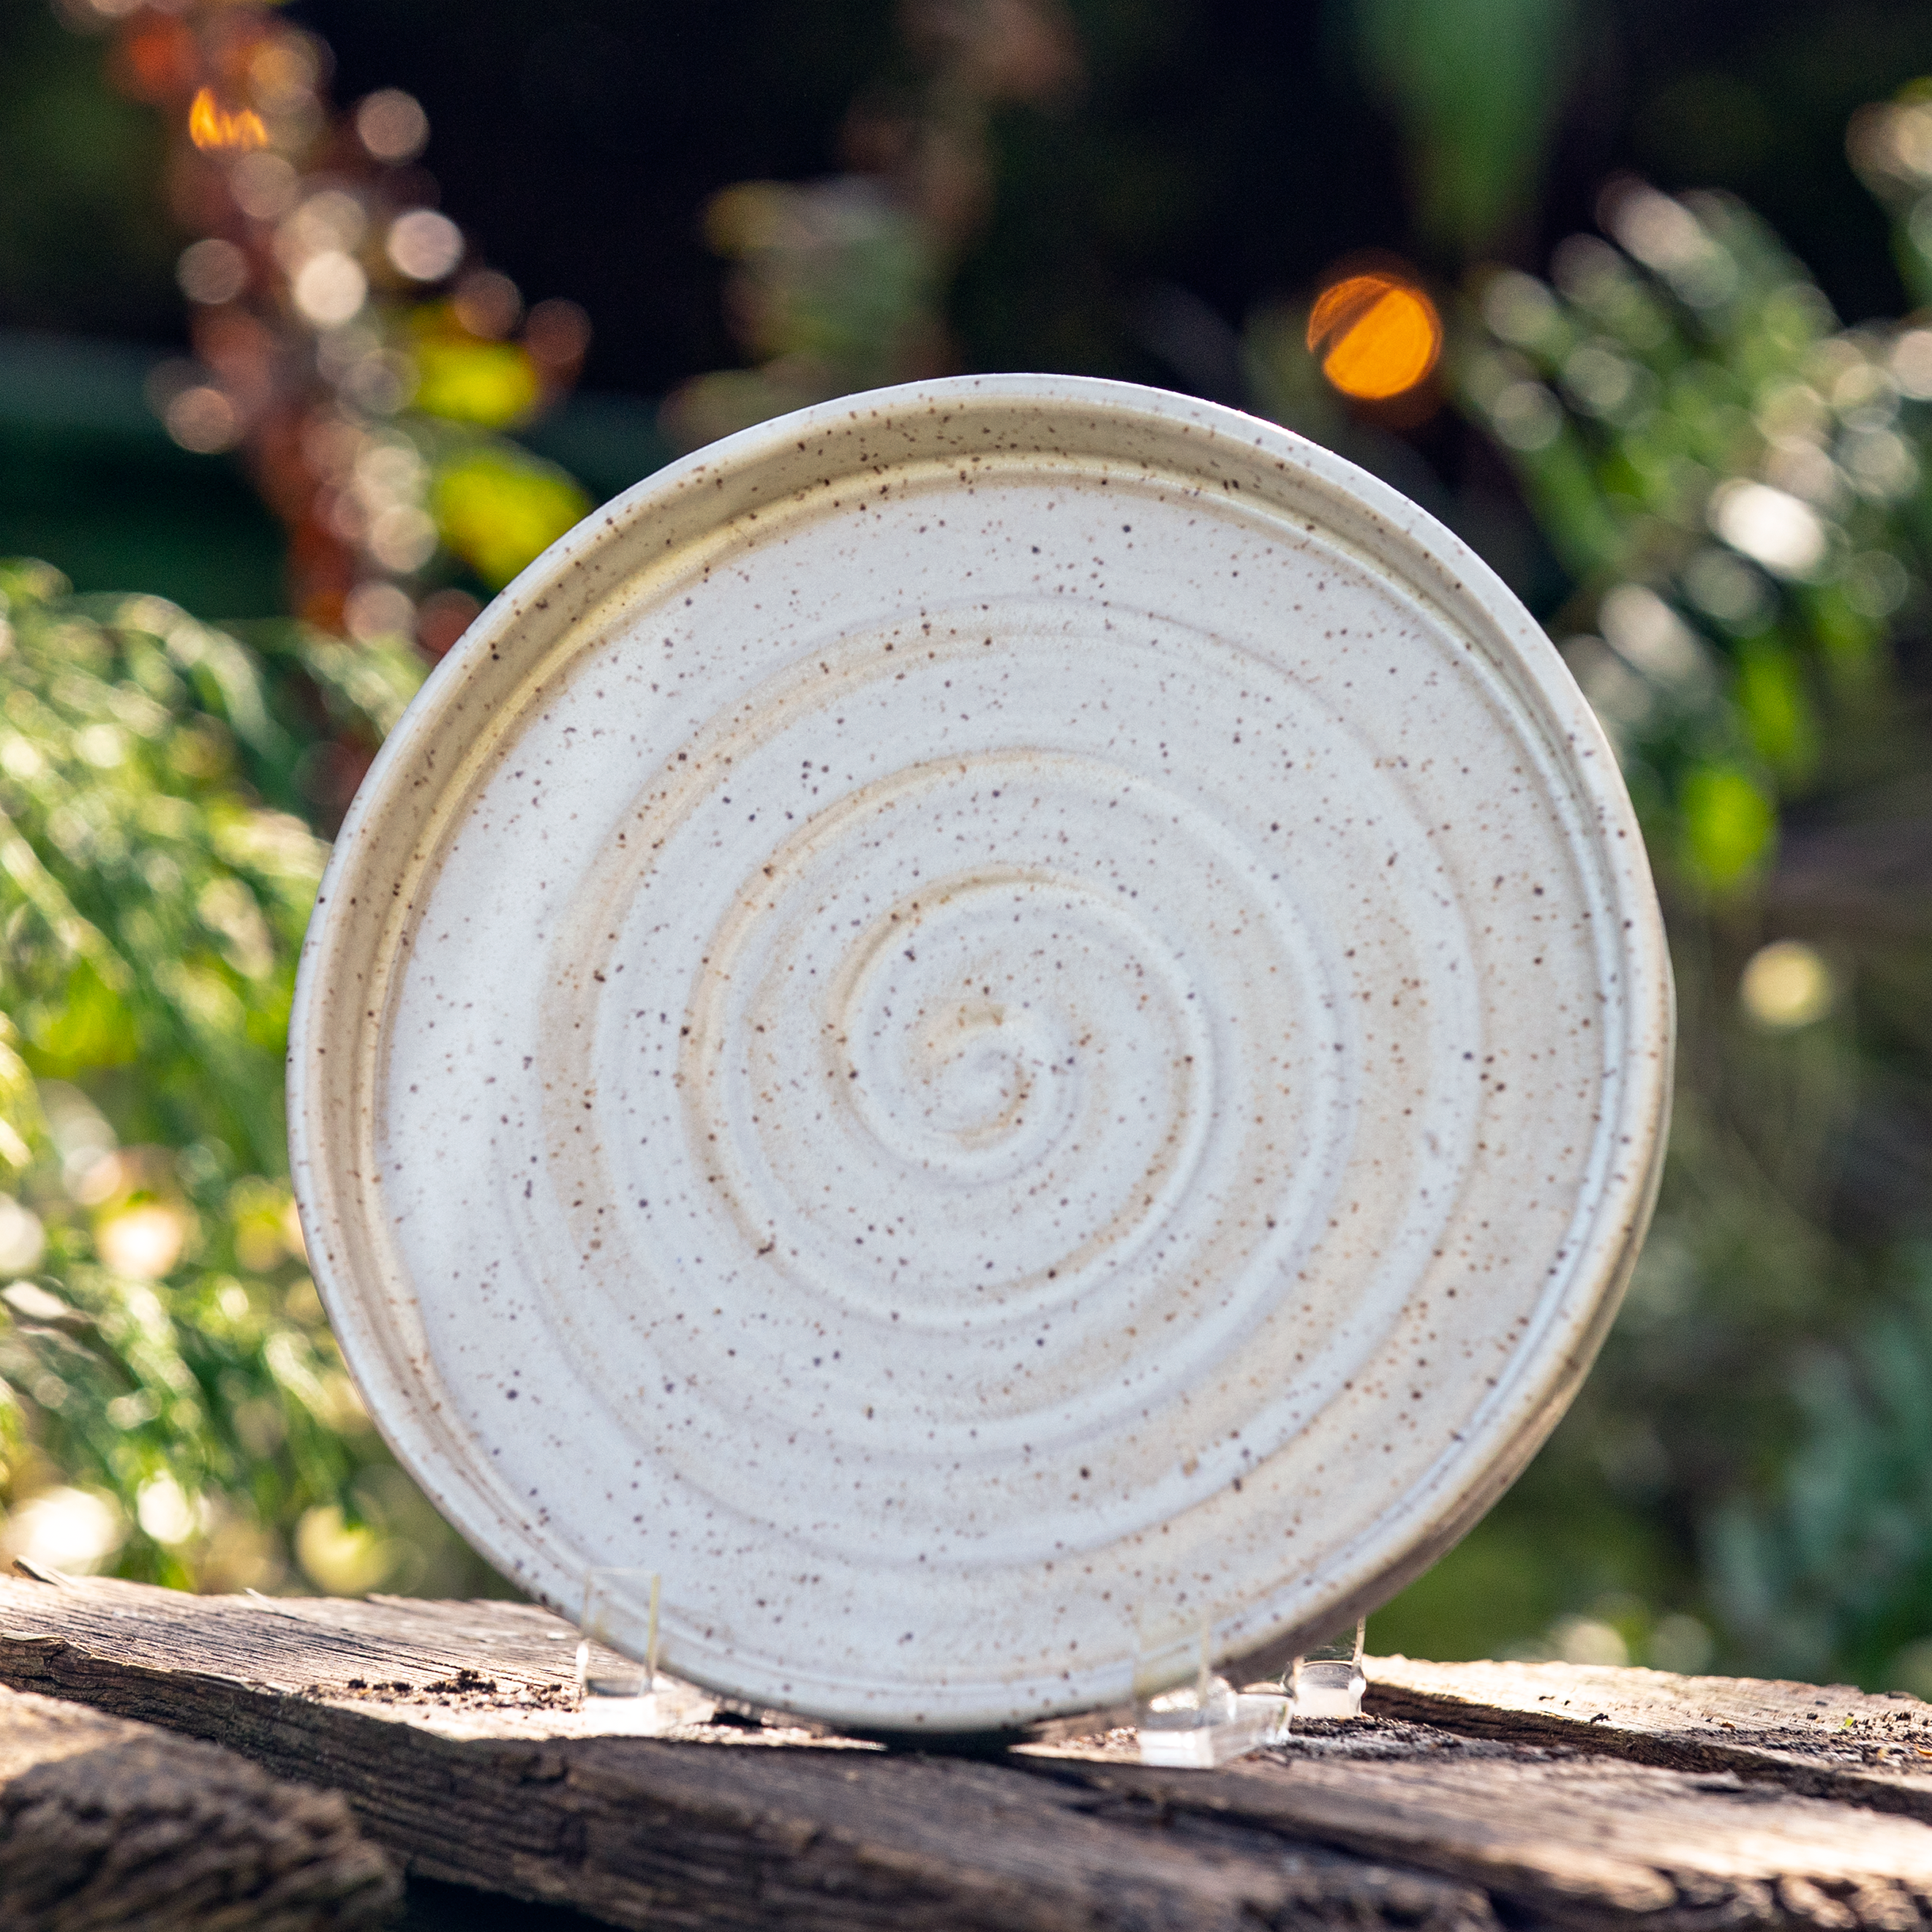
point(983, 1023)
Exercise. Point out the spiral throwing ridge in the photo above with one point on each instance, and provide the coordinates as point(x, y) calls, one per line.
point(1013, 1042)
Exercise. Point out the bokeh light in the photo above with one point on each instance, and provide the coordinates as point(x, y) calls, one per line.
point(392, 126)
point(22, 1239)
point(166, 1512)
point(1912, 364)
point(1786, 985)
point(344, 1559)
point(1377, 336)
point(264, 186)
point(284, 71)
point(64, 1528)
point(143, 1242)
point(212, 127)
point(423, 244)
point(1647, 633)
point(334, 218)
point(211, 271)
point(487, 304)
point(330, 288)
point(557, 334)
point(203, 420)
point(1770, 526)
point(444, 617)
point(402, 537)
point(377, 609)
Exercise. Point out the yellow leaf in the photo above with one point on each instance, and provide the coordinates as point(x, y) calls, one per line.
point(492, 384)
point(497, 513)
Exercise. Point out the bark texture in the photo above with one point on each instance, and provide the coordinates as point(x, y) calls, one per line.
point(106, 1824)
point(1472, 1797)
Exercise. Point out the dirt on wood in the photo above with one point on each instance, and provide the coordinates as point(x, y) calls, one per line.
point(1471, 1797)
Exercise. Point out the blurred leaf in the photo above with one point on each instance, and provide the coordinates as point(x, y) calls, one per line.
point(498, 509)
point(1776, 708)
point(493, 385)
point(1730, 825)
point(1476, 86)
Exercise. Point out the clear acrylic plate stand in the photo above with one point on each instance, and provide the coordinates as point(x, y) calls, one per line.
point(1187, 1717)
point(620, 1695)
point(1327, 1681)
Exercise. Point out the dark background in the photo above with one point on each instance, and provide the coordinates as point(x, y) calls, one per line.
point(1233, 149)
point(1220, 156)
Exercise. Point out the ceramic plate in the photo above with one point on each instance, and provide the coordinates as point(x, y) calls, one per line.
point(987, 1025)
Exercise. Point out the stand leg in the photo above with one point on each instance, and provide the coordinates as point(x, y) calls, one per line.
point(620, 1625)
point(1187, 1717)
point(1328, 1682)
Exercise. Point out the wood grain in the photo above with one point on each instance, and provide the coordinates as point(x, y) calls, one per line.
point(731, 1826)
point(1586, 1842)
point(106, 1824)
point(1825, 1741)
point(452, 1730)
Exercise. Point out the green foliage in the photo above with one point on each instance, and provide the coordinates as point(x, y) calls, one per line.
point(836, 288)
point(1832, 1570)
point(1476, 86)
point(161, 1345)
point(152, 914)
point(1734, 484)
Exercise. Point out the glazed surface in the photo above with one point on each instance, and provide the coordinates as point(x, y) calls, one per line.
point(986, 1060)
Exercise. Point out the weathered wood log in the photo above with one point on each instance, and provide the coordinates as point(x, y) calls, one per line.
point(1583, 1842)
point(453, 1731)
point(1824, 1741)
point(105, 1824)
point(450, 1730)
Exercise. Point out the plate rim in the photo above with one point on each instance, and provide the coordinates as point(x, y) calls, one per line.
point(538, 617)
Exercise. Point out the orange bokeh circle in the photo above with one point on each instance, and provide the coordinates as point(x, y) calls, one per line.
point(1377, 337)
